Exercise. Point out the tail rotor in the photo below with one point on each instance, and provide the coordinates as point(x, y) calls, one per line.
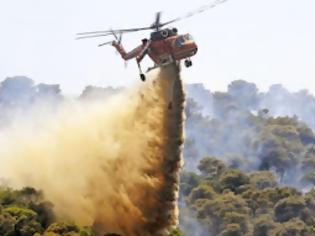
point(118, 39)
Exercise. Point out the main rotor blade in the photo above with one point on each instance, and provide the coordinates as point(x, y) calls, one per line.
point(93, 36)
point(197, 11)
point(157, 21)
point(98, 34)
point(156, 25)
point(115, 31)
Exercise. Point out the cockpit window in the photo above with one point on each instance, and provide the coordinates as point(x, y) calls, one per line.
point(180, 41)
point(188, 37)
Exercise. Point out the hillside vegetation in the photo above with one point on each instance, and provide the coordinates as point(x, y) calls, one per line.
point(249, 163)
point(229, 202)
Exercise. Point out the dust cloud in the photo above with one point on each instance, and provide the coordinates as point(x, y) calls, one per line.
point(112, 164)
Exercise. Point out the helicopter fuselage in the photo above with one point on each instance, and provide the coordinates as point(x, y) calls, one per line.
point(167, 46)
point(163, 47)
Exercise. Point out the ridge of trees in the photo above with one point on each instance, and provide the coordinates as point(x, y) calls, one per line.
point(230, 202)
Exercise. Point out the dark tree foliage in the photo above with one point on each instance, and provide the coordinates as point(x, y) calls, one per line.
point(211, 167)
point(252, 131)
point(176, 232)
point(263, 225)
point(294, 227)
point(26, 213)
point(26, 210)
point(188, 181)
point(289, 208)
point(248, 203)
point(201, 192)
point(263, 179)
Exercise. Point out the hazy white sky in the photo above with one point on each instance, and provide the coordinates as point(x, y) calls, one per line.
point(263, 41)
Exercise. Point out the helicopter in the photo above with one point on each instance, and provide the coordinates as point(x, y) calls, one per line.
point(165, 45)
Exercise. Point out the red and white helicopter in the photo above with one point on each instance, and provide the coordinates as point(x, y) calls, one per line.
point(164, 46)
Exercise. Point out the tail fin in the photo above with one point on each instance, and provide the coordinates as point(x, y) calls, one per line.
point(118, 40)
point(120, 49)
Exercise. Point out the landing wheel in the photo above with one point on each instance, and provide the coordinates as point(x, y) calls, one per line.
point(188, 63)
point(142, 77)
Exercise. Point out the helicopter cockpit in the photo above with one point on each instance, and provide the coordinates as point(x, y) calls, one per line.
point(182, 40)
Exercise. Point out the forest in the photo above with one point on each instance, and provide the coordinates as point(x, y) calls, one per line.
point(255, 168)
point(227, 201)
point(249, 163)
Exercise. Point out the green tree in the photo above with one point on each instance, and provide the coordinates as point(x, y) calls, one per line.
point(263, 225)
point(67, 229)
point(289, 208)
point(25, 223)
point(294, 227)
point(224, 209)
point(188, 181)
point(263, 179)
point(176, 232)
point(233, 180)
point(203, 191)
point(7, 224)
point(7, 196)
point(211, 167)
point(232, 230)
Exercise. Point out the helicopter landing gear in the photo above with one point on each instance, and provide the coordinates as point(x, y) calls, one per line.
point(142, 77)
point(188, 63)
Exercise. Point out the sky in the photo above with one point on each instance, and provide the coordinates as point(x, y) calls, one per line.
point(261, 41)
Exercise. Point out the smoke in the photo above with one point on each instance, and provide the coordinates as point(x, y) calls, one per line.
point(242, 127)
point(245, 130)
point(110, 163)
point(189, 222)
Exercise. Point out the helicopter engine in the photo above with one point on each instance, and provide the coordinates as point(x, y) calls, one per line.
point(163, 34)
